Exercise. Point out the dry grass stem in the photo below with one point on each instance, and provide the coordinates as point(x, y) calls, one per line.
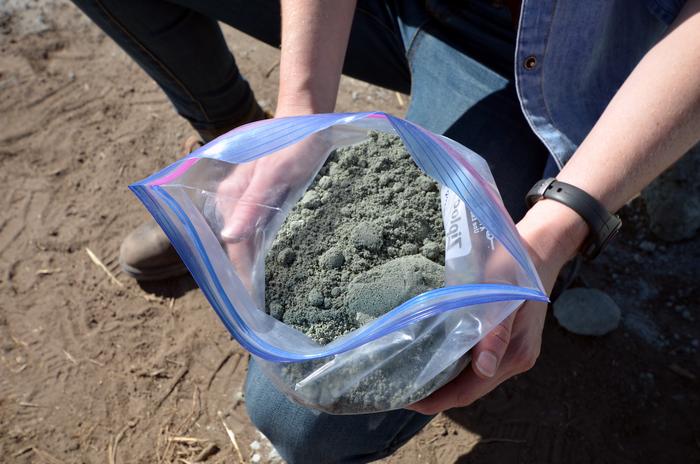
point(30, 405)
point(187, 440)
point(22, 451)
point(219, 366)
point(232, 437)
point(46, 457)
point(501, 440)
point(178, 377)
point(676, 369)
point(47, 271)
point(70, 357)
point(100, 264)
point(271, 68)
point(210, 450)
point(114, 443)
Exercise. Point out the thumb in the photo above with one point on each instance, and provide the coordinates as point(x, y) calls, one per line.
point(487, 354)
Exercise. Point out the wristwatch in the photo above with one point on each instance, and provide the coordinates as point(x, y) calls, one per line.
point(603, 225)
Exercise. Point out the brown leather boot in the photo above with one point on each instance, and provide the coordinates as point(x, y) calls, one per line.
point(146, 253)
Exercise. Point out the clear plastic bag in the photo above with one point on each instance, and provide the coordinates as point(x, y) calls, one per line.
point(400, 357)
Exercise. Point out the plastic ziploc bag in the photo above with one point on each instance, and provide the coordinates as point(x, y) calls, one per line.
point(392, 361)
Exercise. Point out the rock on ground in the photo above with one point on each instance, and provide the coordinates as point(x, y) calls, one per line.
point(585, 311)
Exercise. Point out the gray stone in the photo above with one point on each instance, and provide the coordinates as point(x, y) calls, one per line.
point(586, 311)
point(426, 184)
point(286, 257)
point(673, 200)
point(276, 310)
point(409, 249)
point(316, 298)
point(431, 250)
point(325, 182)
point(333, 258)
point(310, 200)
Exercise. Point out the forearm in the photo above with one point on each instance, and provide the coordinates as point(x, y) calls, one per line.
point(650, 123)
point(314, 40)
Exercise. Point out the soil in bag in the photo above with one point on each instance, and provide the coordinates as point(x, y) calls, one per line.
point(365, 237)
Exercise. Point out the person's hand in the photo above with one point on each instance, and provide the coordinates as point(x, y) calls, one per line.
point(252, 193)
point(513, 346)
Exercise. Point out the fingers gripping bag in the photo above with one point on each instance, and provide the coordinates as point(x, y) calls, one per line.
point(358, 257)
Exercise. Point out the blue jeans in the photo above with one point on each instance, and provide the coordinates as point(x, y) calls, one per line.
point(457, 63)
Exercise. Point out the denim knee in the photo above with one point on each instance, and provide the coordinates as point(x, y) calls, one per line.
point(303, 435)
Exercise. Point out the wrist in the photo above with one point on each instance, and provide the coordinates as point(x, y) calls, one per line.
point(553, 231)
point(296, 101)
point(294, 107)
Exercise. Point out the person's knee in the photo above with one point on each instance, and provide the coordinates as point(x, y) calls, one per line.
point(284, 423)
point(293, 439)
point(302, 435)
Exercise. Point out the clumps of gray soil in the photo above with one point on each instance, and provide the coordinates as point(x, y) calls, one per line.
point(366, 236)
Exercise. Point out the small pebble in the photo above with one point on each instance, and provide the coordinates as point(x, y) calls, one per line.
point(431, 250)
point(426, 184)
point(409, 249)
point(585, 311)
point(276, 310)
point(348, 158)
point(316, 298)
point(310, 200)
point(325, 182)
point(333, 258)
point(286, 257)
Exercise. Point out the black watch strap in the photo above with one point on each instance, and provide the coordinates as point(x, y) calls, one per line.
point(603, 225)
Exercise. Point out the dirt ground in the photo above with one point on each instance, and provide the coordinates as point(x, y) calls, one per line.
point(98, 370)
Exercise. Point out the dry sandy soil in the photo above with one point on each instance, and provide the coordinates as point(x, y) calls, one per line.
point(96, 370)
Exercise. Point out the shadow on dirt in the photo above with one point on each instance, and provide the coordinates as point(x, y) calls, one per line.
point(169, 288)
point(616, 398)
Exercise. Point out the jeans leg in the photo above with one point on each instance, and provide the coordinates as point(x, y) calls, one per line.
point(302, 435)
point(455, 93)
point(375, 52)
point(184, 52)
point(180, 45)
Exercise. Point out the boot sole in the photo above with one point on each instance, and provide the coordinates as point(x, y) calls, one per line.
point(148, 275)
